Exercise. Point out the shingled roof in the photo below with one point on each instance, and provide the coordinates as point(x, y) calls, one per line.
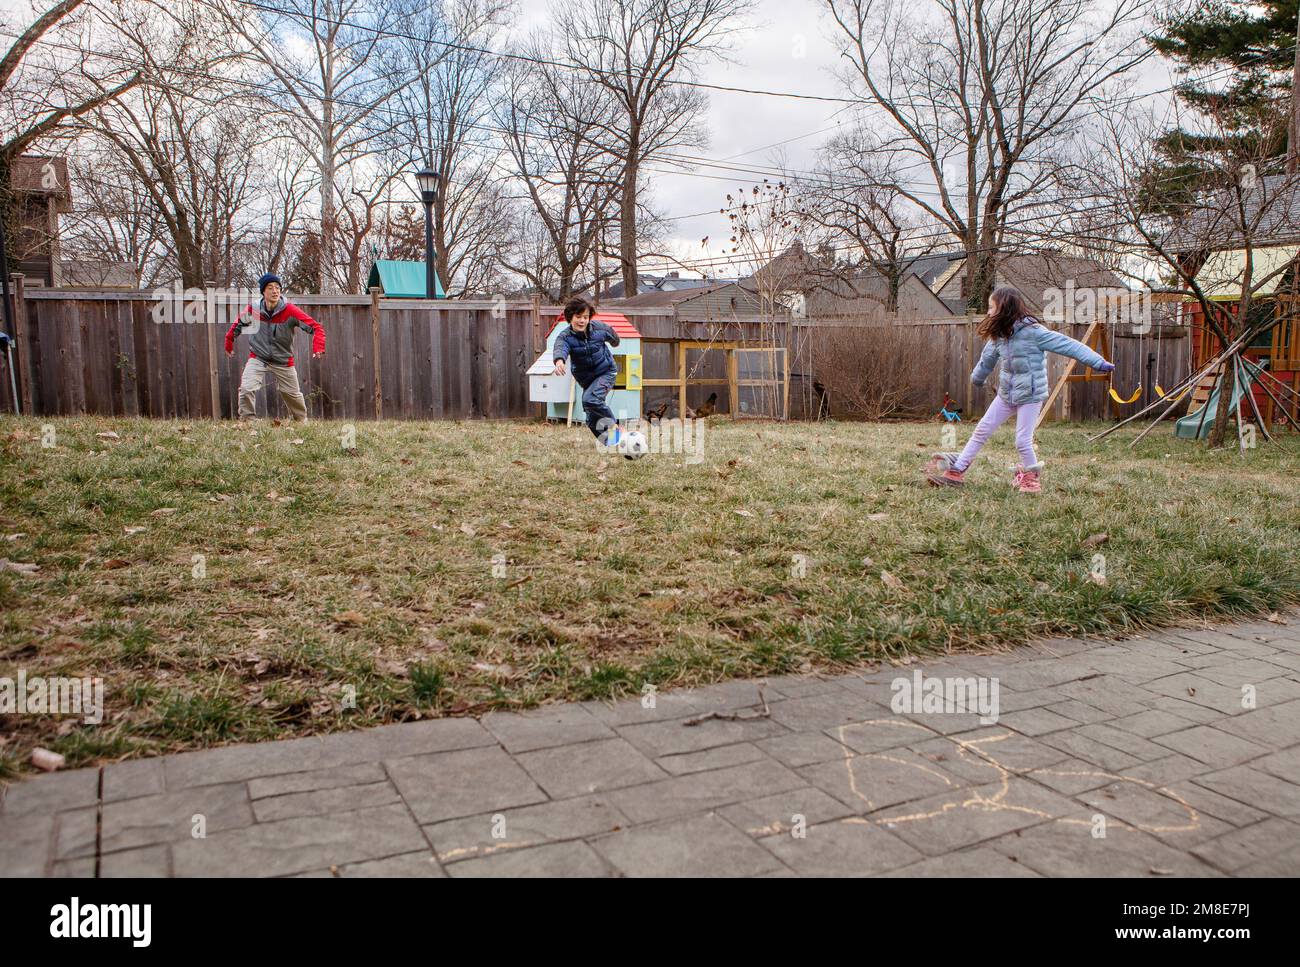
point(1269, 215)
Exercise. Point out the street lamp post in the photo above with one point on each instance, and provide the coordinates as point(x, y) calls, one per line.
point(427, 179)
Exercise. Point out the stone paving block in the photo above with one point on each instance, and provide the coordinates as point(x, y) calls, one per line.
point(1276, 690)
point(1071, 776)
point(881, 779)
point(1005, 749)
point(1196, 689)
point(1216, 748)
point(1284, 765)
point(1090, 750)
point(1151, 723)
point(968, 816)
point(586, 767)
point(556, 859)
point(846, 847)
point(154, 861)
point(132, 778)
point(1241, 671)
point(877, 735)
point(324, 801)
point(732, 696)
point(1059, 849)
point(1081, 712)
point(704, 845)
point(1209, 803)
point(406, 866)
point(1014, 700)
point(240, 762)
point(1187, 710)
point(1045, 673)
point(363, 773)
point(1285, 862)
point(1239, 848)
point(1286, 661)
point(80, 868)
point(802, 748)
point(634, 711)
point(781, 813)
point(518, 828)
point(963, 761)
point(1135, 745)
point(673, 736)
point(26, 843)
point(827, 710)
point(800, 686)
point(1157, 813)
point(1109, 694)
point(76, 832)
point(703, 790)
point(978, 862)
point(1255, 788)
point(542, 728)
point(169, 818)
point(52, 792)
point(1036, 721)
point(1166, 771)
point(462, 783)
point(299, 845)
point(718, 758)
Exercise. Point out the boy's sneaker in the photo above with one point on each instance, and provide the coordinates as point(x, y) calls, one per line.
point(949, 478)
point(1028, 482)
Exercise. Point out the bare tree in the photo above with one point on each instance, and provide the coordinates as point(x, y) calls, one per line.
point(571, 183)
point(978, 96)
point(641, 52)
point(324, 59)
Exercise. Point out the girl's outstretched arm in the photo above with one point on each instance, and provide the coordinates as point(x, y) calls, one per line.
point(1058, 342)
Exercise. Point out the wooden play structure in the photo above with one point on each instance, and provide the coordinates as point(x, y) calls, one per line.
point(562, 395)
point(757, 377)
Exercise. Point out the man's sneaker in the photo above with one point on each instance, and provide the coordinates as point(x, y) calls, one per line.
point(1029, 482)
point(949, 478)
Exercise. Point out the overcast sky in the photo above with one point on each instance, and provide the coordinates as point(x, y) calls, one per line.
point(785, 47)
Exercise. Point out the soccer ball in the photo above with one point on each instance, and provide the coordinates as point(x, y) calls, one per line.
point(633, 445)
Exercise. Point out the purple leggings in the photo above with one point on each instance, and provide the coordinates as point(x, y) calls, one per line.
point(1026, 415)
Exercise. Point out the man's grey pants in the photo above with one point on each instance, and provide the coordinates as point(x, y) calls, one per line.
point(286, 382)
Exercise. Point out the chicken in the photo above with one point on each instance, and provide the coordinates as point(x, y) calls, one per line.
point(707, 408)
point(657, 412)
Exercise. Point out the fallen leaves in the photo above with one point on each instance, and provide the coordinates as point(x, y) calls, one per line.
point(47, 761)
point(348, 619)
point(1277, 619)
point(18, 567)
point(1096, 540)
point(890, 581)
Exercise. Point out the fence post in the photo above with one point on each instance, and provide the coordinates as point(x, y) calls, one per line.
point(214, 356)
point(374, 339)
point(21, 337)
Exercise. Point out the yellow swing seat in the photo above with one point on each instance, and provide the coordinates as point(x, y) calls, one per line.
point(1125, 402)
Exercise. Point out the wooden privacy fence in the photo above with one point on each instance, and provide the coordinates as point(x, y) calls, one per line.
point(128, 353)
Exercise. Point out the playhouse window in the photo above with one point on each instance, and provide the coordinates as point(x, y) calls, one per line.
point(620, 380)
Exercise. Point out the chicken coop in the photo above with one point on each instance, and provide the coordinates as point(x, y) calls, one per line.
point(563, 396)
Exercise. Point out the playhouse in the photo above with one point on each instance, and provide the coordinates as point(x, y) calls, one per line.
point(563, 396)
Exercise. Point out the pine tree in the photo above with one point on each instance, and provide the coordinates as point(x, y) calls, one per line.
point(305, 276)
point(1250, 46)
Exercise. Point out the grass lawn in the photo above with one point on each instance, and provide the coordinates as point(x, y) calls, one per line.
point(452, 568)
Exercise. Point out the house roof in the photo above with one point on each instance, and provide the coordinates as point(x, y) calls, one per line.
point(615, 320)
point(33, 174)
point(928, 268)
point(403, 280)
point(668, 297)
point(1270, 215)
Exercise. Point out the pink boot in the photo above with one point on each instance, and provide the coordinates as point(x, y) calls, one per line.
point(1028, 483)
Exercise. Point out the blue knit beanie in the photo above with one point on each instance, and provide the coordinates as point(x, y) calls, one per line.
point(266, 280)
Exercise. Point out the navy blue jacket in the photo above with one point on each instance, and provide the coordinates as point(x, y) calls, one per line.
point(587, 352)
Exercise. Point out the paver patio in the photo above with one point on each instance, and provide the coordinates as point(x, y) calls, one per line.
point(1151, 740)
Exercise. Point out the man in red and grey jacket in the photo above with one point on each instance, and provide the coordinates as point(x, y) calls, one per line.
point(271, 348)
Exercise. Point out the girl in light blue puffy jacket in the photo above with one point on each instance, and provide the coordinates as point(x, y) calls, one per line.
point(1021, 344)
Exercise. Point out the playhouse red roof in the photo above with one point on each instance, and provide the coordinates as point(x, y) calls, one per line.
point(616, 321)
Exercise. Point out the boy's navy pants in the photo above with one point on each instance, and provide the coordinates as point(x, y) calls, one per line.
point(599, 416)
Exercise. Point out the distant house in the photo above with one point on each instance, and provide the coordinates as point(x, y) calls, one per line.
point(97, 274)
point(669, 282)
point(41, 191)
point(403, 280)
point(827, 288)
point(1042, 277)
point(712, 300)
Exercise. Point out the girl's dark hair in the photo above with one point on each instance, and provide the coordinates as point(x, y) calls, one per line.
point(1008, 309)
point(575, 305)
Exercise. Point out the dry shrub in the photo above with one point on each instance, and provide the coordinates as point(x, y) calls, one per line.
point(873, 372)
